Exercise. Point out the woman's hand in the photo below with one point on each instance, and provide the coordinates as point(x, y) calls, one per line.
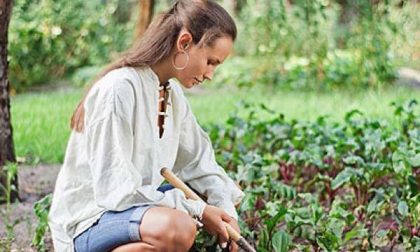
point(213, 218)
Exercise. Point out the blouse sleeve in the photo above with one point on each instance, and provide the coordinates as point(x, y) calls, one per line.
point(117, 183)
point(196, 165)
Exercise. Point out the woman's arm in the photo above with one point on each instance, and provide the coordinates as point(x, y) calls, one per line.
point(196, 165)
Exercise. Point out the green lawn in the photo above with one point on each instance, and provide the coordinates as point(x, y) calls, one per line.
point(215, 105)
point(41, 124)
point(41, 120)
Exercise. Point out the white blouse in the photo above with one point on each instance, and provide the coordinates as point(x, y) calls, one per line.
point(115, 162)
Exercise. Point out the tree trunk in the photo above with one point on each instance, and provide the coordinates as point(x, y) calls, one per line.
point(238, 5)
point(146, 8)
point(7, 153)
point(348, 13)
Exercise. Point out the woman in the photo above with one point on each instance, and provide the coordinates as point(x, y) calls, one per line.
point(132, 122)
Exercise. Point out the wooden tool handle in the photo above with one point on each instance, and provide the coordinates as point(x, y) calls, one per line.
point(232, 232)
point(177, 183)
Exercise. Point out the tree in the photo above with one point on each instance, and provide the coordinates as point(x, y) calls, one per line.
point(146, 8)
point(7, 153)
point(350, 13)
point(235, 6)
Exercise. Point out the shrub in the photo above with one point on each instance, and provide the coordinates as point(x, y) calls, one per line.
point(305, 45)
point(49, 39)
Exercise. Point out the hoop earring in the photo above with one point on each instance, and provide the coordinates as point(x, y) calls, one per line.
point(186, 63)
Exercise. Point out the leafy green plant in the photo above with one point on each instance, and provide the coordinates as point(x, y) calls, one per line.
point(10, 170)
point(346, 186)
point(41, 208)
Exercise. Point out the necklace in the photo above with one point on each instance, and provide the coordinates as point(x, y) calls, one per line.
point(163, 103)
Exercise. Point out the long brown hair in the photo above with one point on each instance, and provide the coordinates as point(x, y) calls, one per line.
point(206, 20)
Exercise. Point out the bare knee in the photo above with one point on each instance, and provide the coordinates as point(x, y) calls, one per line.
point(168, 229)
point(185, 231)
point(177, 232)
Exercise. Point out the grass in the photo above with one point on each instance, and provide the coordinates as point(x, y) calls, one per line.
point(41, 120)
point(215, 106)
point(41, 124)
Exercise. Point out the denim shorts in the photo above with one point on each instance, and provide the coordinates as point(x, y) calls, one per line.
point(113, 229)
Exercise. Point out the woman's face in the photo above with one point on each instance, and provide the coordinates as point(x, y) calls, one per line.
point(202, 61)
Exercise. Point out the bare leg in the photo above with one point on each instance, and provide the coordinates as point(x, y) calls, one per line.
point(135, 247)
point(163, 230)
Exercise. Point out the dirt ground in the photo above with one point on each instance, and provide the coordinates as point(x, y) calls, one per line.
point(34, 183)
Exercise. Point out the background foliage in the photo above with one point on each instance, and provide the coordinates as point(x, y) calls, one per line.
point(50, 39)
point(318, 44)
point(313, 44)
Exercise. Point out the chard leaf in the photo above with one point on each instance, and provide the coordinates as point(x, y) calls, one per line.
point(280, 241)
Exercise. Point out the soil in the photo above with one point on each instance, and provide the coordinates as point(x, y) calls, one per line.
point(408, 77)
point(34, 183)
